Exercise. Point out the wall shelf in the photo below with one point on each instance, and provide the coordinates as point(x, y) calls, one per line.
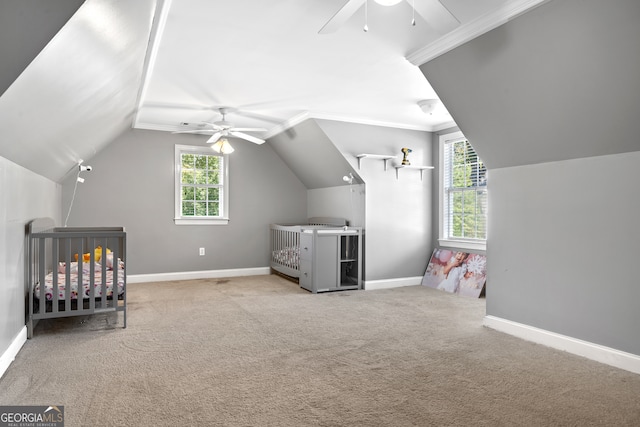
point(421, 168)
point(384, 157)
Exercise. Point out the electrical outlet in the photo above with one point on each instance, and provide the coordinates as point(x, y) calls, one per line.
point(201, 251)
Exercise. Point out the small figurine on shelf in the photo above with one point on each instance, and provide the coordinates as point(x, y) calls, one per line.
point(405, 159)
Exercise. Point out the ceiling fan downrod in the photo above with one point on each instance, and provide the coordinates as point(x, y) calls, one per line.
point(366, 15)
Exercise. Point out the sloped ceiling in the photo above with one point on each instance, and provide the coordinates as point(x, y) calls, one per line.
point(26, 27)
point(312, 157)
point(81, 89)
point(160, 63)
point(266, 60)
point(557, 83)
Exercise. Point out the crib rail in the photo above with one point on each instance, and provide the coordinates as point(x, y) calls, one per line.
point(285, 249)
point(52, 252)
point(285, 243)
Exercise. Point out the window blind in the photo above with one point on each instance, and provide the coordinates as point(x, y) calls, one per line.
point(465, 192)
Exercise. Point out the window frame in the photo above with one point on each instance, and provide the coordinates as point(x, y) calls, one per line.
point(443, 239)
point(179, 219)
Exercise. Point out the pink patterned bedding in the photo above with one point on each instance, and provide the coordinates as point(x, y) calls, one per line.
point(84, 291)
point(288, 256)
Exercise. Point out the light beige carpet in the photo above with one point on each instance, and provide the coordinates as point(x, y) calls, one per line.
point(259, 351)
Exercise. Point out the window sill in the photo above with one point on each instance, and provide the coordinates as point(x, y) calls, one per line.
point(201, 221)
point(463, 244)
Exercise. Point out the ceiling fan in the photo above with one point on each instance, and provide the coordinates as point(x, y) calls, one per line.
point(432, 11)
point(223, 128)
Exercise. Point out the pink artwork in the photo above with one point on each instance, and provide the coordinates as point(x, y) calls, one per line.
point(456, 272)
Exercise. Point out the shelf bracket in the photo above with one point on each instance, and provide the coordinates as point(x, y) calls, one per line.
point(421, 168)
point(383, 157)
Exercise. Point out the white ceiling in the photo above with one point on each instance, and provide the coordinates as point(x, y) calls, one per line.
point(154, 64)
point(267, 60)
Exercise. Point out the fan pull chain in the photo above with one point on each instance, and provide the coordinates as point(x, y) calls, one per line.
point(366, 16)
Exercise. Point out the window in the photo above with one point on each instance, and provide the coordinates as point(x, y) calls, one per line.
point(201, 186)
point(463, 198)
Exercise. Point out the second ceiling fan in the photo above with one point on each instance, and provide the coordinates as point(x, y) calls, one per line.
point(432, 11)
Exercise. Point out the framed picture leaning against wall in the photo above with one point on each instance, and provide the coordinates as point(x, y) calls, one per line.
point(458, 272)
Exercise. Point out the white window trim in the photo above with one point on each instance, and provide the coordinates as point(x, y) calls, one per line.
point(474, 245)
point(178, 219)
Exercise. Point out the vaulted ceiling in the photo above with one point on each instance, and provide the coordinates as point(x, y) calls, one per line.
point(158, 64)
point(268, 61)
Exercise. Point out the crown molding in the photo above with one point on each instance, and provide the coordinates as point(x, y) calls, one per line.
point(305, 115)
point(444, 126)
point(155, 126)
point(286, 125)
point(370, 122)
point(299, 118)
point(472, 29)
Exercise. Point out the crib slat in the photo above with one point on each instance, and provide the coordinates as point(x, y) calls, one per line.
point(92, 296)
point(30, 276)
point(54, 260)
point(288, 244)
point(103, 274)
point(41, 275)
point(91, 243)
point(103, 262)
point(83, 246)
point(67, 271)
point(123, 255)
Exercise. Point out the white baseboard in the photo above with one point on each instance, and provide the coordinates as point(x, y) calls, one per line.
point(370, 285)
point(608, 356)
point(189, 275)
point(10, 354)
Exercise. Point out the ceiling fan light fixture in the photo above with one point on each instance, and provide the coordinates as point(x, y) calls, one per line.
point(388, 2)
point(223, 146)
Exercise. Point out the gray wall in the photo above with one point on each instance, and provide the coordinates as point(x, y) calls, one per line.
point(564, 247)
point(550, 101)
point(311, 155)
point(132, 185)
point(346, 201)
point(318, 163)
point(24, 196)
point(398, 212)
point(559, 82)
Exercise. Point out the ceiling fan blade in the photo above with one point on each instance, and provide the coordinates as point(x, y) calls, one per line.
point(341, 16)
point(436, 15)
point(249, 129)
point(247, 137)
point(213, 125)
point(216, 136)
point(172, 106)
point(200, 131)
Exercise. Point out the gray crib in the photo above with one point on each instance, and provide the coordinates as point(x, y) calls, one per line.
point(285, 244)
point(74, 271)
